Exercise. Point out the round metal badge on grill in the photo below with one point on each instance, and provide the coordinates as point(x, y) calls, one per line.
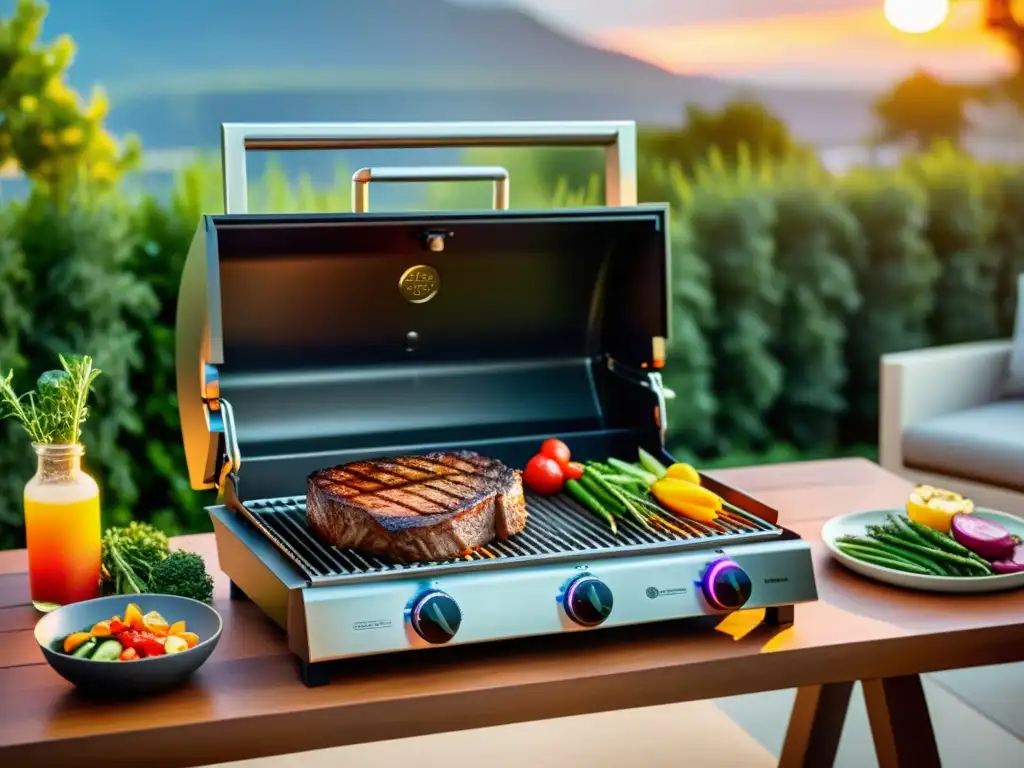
point(419, 284)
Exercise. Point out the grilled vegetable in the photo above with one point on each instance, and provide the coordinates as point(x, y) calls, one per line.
point(894, 552)
point(687, 499)
point(647, 478)
point(934, 538)
point(555, 449)
point(576, 489)
point(573, 470)
point(935, 507)
point(651, 464)
point(934, 553)
point(544, 475)
point(983, 537)
point(684, 472)
point(1015, 564)
point(870, 556)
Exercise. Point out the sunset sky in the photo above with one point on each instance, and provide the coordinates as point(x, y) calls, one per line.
point(791, 42)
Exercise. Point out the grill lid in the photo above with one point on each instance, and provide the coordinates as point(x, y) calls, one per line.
point(347, 329)
point(367, 331)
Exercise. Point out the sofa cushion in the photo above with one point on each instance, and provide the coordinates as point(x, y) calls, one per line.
point(1015, 380)
point(984, 444)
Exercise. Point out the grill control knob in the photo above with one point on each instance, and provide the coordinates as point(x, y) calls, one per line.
point(588, 601)
point(726, 586)
point(436, 617)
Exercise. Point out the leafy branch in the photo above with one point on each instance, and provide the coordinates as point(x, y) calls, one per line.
point(55, 412)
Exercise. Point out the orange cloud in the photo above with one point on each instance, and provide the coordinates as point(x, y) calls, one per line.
point(854, 45)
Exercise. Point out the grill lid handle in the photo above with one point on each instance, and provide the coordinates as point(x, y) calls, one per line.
point(361, 181)
point(617, 137)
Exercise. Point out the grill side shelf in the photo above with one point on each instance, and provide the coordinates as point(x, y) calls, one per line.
point(558, 530)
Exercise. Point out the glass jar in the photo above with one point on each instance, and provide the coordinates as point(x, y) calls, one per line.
point(62, 529)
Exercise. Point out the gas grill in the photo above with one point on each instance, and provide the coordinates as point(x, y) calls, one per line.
point(307, 341)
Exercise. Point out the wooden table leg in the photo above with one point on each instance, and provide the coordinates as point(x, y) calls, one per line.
point(900, 723)
point(815, 726)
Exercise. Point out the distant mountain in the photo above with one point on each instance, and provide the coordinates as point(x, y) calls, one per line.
point(174, 71)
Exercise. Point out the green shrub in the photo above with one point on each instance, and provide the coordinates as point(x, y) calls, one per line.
point(896, 272)
point(815, 235)
point(1006, 202)
point(959, 227)
point(731, 216)
point(80, 295)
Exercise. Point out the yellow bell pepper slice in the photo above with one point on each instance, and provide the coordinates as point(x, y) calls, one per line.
point(935, 507)
point(684, 472)
point(687, 499)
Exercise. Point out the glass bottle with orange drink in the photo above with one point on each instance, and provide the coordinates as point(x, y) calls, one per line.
point(62, 528)
point(62, 502)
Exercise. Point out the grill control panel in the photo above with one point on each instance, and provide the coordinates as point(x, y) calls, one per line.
point(396, 614)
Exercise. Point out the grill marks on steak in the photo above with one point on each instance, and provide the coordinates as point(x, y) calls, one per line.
point(416, 508)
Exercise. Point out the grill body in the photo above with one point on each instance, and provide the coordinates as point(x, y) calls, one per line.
point(308, 341)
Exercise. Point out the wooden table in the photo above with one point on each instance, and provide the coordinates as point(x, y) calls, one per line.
point(247, 700)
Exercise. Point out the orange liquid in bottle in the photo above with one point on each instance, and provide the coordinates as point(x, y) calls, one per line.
point(62, 528)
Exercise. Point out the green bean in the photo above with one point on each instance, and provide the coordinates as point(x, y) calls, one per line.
point(942, 541)
point(575, 489)
point(630, 469)
point(592, 485)
point(888, 549)
point(621, 497)
point(936, 553)
point(870, 556)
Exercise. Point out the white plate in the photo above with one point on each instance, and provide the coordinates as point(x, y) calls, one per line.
point(856, 525)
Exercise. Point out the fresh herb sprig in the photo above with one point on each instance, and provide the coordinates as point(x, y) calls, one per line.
point(54, 413)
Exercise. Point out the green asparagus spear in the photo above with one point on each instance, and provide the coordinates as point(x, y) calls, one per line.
point(575, 489)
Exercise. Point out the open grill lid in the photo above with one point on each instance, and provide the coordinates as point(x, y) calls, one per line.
point(368, 332)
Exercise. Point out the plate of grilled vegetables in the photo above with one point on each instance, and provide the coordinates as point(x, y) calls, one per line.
point(939, 542)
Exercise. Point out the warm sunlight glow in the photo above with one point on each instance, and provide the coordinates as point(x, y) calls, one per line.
point(915, 17)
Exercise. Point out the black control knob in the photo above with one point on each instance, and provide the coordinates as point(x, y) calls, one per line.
point(726, 586)
point(588, 601)
point(436, 617)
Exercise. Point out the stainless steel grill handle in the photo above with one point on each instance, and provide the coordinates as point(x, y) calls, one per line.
point(618, 138)
point(361, 181)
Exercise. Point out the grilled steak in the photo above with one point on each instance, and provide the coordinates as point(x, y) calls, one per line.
point(413, 509)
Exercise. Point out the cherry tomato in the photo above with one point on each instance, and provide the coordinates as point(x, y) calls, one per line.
point(555, 449)
point(543, 475)
point(573, 470)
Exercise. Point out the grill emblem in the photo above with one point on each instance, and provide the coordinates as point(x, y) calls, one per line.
point(419, 284)
point(653, 592)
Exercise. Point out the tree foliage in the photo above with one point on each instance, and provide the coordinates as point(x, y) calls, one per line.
point(46, 130)
point(923, 110)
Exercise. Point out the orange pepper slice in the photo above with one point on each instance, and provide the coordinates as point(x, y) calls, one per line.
point(101, 629)
point(133, 617)
point(176, 628)
point(189, 637)
point(74, 640)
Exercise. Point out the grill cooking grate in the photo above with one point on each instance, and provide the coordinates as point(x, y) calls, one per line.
point(557, 530)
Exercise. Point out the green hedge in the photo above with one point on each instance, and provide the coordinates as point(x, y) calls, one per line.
point(789, 283)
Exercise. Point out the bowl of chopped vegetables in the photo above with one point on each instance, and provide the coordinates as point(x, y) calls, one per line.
point(133, 645)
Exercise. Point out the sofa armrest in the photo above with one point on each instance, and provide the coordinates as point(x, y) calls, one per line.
point(924, 383)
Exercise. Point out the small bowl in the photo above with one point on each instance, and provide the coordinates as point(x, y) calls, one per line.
point(142, 676)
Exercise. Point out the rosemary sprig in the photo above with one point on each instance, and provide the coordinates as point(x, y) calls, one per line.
point(55, 412)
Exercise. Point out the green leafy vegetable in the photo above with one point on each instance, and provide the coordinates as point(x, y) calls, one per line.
point(55, 412)
point(184, 574)
point(129, 556)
